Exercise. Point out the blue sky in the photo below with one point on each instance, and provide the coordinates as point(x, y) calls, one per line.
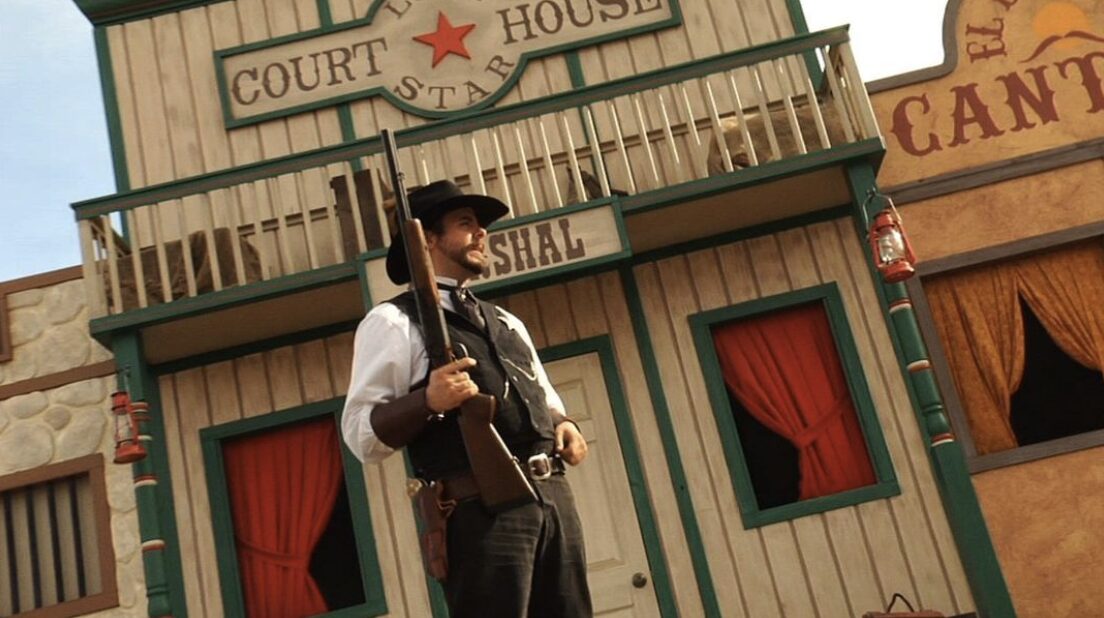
point(53, 137)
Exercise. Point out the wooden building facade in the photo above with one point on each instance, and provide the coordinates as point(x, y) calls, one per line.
point(684, 178)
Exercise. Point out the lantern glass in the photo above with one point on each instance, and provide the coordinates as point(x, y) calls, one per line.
point(124, 428)
point(891, 246)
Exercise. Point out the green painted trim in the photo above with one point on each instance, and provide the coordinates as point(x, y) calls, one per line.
point(800, 26)
point(575, 69)
point(797, 16)
point(111, 110)
point(223, 299)
point(222, 522)
point(695, 542)
point(105, 12)
point(468, 122)
point(386, 93)
point(362, 276)
point(264, 345)
point(701, 325)
point(626, 436)
point(952, 476)
point(163, 568)
point(325, 15)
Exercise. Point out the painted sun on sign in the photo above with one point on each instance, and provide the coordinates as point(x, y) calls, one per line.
point(429, 58)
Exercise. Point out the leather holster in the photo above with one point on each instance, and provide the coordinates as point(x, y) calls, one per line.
point(434, 513)
point(397, 422)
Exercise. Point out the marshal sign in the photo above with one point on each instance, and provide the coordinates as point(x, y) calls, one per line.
point(430, 58)
point(535, 247)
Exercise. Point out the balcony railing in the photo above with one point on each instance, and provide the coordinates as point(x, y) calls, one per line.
point(711, 117)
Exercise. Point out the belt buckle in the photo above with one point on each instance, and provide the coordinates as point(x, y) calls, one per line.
point(540, 467)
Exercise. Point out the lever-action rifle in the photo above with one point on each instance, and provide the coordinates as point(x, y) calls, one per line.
point(498, 475)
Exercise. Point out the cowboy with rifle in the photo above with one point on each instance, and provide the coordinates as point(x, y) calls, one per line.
point(457, 382)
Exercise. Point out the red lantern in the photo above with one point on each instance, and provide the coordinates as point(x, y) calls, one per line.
point(128, 446)
point(891, 248)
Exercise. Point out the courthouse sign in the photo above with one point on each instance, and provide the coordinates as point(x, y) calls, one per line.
point(431, 58)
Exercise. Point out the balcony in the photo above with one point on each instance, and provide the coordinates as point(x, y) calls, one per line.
point(682, 153)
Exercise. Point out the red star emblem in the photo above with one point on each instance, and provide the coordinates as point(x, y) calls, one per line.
point(447, 39)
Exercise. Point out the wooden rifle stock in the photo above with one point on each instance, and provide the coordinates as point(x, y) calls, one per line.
point(501, 481)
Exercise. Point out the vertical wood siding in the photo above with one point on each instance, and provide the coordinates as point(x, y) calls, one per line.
point(258, 384)
point(840, 563)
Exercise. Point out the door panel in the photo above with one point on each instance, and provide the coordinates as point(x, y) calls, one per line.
point(615, 549)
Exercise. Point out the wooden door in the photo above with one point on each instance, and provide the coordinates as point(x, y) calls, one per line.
point(615, 549)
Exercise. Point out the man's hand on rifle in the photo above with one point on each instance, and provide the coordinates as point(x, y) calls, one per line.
point(570, 443)
point(450, 386)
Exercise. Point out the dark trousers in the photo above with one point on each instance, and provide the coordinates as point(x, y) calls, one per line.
point(527, 562)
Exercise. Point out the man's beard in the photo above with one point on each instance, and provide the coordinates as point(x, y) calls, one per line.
point(461, 256)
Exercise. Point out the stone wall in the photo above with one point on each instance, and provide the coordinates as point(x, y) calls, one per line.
point(49, 335)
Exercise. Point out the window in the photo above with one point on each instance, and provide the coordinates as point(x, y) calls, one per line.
point(796, 419)
point(292, 525)
point(56, 556)
point(1023, 340)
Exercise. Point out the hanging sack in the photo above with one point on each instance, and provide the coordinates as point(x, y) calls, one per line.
point(911, 613)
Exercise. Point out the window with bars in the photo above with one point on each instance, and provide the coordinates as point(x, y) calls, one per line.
point(56, 557)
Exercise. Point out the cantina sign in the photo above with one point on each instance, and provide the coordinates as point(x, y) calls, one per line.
point(432, 58)
point(1028, 78)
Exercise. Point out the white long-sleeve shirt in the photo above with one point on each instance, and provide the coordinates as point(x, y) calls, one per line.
point(389, 356)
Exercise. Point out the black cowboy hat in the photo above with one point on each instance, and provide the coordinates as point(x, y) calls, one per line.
point(428, 204)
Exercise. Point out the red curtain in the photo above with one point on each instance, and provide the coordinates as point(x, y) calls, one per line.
point(283, 486)
point(784, 368)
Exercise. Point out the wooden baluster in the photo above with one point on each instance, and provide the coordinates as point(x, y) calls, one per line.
point(787, 101)
point(548, 163)
point(764, 111)
point(478, 181)
point(670, 136)
point(220, 202)
point(697, 161)
point(138, 269)
point(162, 258)
point(523, 163)
point(596, 152)
point(207, 223)
point(573, 159)
point(185, 246)
point(305, 212)
point(282, 246)
point(718, 130)
point(745, 131)
point(619, 139)
point(93, 276)
point(837, 93)
point(645, 140)
point(862, 100)
point(500, 169)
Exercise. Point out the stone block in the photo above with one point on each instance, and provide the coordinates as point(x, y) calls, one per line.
point(26, 325)
point(24, 446)
point(26, 298)
point(57, 417)
point(25, 406)
point(64, 302)
point(62, 347)
point(80, 394)
point(83, 435)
